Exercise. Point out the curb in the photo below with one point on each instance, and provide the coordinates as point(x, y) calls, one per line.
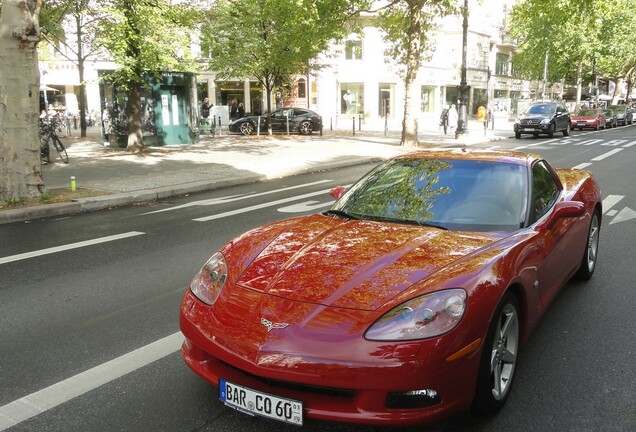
point(90, 204)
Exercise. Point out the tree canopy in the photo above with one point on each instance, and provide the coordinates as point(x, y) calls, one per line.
point(145, 36)
point(578, 35)
point(407, 26)
point(272, 40)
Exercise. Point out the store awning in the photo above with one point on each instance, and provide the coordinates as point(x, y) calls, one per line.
point(47, 88)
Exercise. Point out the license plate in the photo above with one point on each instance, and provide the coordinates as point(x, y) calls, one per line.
point(253, 402)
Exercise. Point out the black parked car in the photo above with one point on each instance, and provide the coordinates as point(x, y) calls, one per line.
point(543, 118)
point(300, 120)
point(624, 115)
point(612, 119)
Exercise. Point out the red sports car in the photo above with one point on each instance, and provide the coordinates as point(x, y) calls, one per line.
point(588, 118)
point(404, 303)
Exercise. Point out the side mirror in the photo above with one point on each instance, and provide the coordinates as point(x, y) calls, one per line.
point(337, 192)
point(565, 209)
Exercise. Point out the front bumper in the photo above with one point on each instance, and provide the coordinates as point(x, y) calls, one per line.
point(357, 384)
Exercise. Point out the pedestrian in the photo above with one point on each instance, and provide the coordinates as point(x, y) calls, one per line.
point(482, 117)
point(443, 119)
point(241, 110)
point(233, 110)
point(205, 108)
point(452, 118)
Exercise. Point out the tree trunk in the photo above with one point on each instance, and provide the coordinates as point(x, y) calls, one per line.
point(579, 81)
point(20, 165)
point(617, 91)
point(80, 67)
point(409, 122)
point(133, 116)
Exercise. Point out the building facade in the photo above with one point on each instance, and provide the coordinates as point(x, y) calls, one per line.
point(360, 84)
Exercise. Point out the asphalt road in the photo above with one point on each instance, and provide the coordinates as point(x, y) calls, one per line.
point(89, 330)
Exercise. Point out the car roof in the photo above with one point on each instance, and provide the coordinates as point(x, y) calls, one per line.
point(501, 156)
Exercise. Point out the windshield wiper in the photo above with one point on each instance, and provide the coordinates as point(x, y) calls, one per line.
point(410, 222)
point(341, 213)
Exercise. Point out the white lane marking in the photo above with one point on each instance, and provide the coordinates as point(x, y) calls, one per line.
point(608, 154)
point(630, 144)
point(582, 166)
point(624, 215)
point(260, 206)
point(304, 206)
point(232, 198)
point(11, 258)
point(43, 400)
point(610, 201)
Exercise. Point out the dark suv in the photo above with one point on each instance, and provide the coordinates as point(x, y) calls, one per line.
point(543, 118)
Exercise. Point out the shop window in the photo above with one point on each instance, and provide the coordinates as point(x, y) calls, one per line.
point(427, 102)
point(351, 98)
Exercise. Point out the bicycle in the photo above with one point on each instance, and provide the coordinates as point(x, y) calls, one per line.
point(47, 134)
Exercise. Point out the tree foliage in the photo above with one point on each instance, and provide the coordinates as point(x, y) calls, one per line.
point(272, 40)
point(145, 36)
point(577, 35)
point(76, 40)
point(407, 26)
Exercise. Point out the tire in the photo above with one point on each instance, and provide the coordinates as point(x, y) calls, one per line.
point(517, 135)
point(305, 128)
point(499, 357)
point(551, 130)
point(246, 128)
point(61, 151)
point(45, 151)
point(590, 255)
point(566, 132)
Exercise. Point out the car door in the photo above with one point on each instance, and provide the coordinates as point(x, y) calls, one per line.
point(558, 261)
point(279, 119)
point(562, 119)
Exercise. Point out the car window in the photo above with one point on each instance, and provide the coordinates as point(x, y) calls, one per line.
point(545, 190)
point(454, 194)
point(541, 109)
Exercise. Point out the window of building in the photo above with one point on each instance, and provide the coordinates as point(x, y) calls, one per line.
point(302, 88)
point(502, 66)
point(427, 101)
point(353, 50)
point(352, 98)
point(385, 99)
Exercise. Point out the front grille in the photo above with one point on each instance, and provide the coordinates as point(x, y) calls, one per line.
point(297, 387)
point(530, 122)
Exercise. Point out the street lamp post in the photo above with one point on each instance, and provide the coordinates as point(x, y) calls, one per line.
point(462, 122)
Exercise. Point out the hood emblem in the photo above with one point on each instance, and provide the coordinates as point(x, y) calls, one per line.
point(271, 326)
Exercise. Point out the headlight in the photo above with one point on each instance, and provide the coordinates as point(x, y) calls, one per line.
point(545, 121)
point(423, 317)
point(208, 283)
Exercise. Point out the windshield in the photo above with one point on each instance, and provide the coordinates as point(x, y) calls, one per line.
point(543, 109)
point(452, 194)
point(586, 113)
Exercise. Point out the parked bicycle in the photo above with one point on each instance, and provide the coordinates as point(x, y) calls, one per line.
point(47, 135)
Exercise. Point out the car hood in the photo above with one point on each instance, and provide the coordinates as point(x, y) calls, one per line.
point(351, 264)
point(533, 116)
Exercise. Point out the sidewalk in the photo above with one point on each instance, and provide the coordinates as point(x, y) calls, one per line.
point(217, 162)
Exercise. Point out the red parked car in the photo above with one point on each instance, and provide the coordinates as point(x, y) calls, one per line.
point(407, 301)
point(589, 119)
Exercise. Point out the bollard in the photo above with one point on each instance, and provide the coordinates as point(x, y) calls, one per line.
point(353, 119)
point(73, 185)
point(360, 122)
point(330, 123)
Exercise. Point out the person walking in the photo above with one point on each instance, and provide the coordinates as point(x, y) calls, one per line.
point(443, 119)
point(241, 110)
point(205, 108)
point(453, 116)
